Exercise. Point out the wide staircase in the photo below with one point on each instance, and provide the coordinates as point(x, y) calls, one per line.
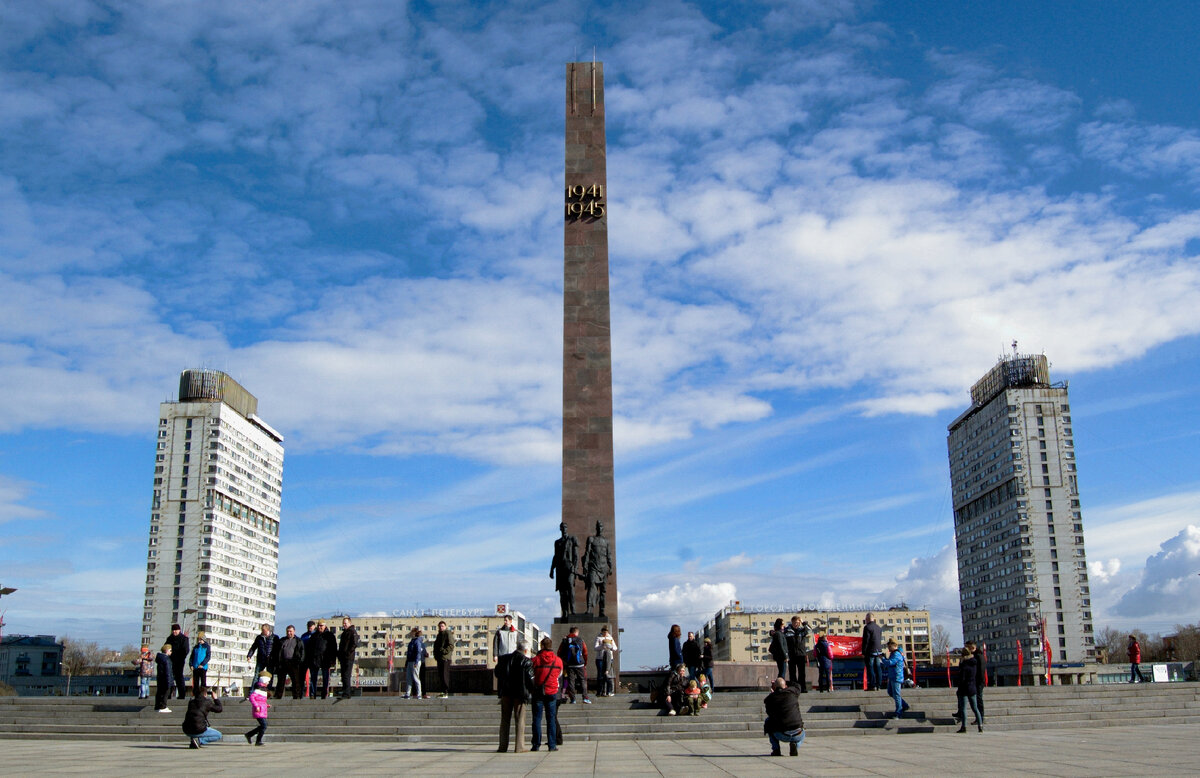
point(473, 719)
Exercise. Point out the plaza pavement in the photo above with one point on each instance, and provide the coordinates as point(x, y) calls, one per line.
point(1157, 750)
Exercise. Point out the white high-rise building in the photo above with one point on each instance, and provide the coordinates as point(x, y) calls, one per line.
point(1022, 571)
point(213, 555)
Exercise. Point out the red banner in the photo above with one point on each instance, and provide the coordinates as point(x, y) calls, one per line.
point(948, 681)
point(1020, 662)
point(843, 646)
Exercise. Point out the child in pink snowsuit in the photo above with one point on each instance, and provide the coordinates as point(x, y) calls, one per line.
point(260, 708)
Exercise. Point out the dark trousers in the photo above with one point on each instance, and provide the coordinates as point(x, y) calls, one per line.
point(347, 677)
point(545, 704)
point(162, 691)
point(290, 669)
point(444, 674)
point(576, 677)
point(258, 731)
point(199, 681)
point(321, 674)
point(796, 672)
point(180, 687)
point(963, 701)
point(979, 703)
point(781, 668)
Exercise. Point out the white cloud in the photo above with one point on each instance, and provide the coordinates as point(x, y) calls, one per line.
point(1170, 583)
point(680, 599)
point(13, 494)
point(931, 582)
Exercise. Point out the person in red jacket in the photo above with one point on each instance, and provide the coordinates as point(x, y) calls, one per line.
point(547, 672)
point(1135, 661)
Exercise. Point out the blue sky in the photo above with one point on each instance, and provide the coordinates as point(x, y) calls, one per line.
point(827, 219)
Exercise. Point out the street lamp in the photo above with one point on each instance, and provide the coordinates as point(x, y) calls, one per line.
point(4, 590)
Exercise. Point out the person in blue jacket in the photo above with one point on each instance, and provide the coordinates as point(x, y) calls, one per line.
point(895, 676)
point(199, 665)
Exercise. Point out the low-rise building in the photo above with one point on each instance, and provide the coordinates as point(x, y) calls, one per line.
point(742, 633)
point(472, 629)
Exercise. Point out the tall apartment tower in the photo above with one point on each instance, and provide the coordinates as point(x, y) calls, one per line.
point(1022, 571)
point(213, 555)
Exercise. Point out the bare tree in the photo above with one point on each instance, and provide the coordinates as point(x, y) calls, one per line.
point(81, 657)
point(939, 641)
point(1110, 646)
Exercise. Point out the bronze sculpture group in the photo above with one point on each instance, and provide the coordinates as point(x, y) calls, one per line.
point(595, 570)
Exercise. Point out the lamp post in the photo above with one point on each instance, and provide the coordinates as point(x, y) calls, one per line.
point(4, 590)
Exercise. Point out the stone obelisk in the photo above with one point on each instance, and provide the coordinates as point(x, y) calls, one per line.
point(587, 463)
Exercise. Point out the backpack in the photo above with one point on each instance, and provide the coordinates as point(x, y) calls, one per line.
point(574, 652)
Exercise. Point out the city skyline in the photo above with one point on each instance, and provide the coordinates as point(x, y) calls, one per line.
point(826, 221)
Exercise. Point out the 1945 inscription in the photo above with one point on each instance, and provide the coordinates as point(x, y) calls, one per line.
point(585, 202)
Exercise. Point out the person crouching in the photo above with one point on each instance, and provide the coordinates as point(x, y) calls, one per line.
point(784, 723)
point(195, 721)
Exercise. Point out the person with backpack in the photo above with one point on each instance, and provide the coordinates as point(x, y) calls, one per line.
point(573, 653)
point(547, 672)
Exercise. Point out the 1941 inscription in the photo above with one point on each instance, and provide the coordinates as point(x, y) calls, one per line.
point(585, 202)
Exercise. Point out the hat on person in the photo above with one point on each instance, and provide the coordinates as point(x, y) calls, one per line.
point(892, 643)
point(200, 635)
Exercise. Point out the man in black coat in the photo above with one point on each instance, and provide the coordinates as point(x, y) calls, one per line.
point(872, 653)
point(784, 723)
point(195, 721)
point(288, 659)
point(347, 648)
point(796, 635)
point(321, 653)
point(692, 656)
point(514, 677)
point(180, 648)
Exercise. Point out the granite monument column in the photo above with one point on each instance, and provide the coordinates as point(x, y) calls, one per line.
point(587, 463)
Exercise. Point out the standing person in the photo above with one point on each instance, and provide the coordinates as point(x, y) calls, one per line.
point(606, 651)
point(195, 721)
point(573, 652)
point(872, 653)
point(310, 681)
point(707, 662)
point(674, 690)
point(199, 662)
point(980, 675)
point(779, 649)
point(144, 665)
point(674, 646)
point(692, 655)
point(505, 639)
point(165, 682)
point(824, 657)
point(796, 634)
point(259, 707)
point(966, 689)
point(289, 662)
point(443, 654)
point(321, 653)
point(261, 649)
point(514, 676)
point(895, 676)
point(347, 649)
point(1135, 661)
point(180, 647)
point(414, 657)
point(547, 671)
point(784, 723)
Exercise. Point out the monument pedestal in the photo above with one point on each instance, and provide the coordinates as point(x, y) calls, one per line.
point(589, 627)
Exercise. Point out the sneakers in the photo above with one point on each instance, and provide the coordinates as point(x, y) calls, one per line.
point(405, 697)
point(671, 712)
point(443, 696)
point(586, 701)
point(164, 710)
point(193, 743)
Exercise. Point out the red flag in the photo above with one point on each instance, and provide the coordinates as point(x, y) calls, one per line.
point(948, 683)
point(983, 648)
point(1046, 648)
point(914, 674)
point(1020, 662)
point(864, 674)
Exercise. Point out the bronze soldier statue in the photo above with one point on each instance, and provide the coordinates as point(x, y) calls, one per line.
point(562, 569)
point(597, 567)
